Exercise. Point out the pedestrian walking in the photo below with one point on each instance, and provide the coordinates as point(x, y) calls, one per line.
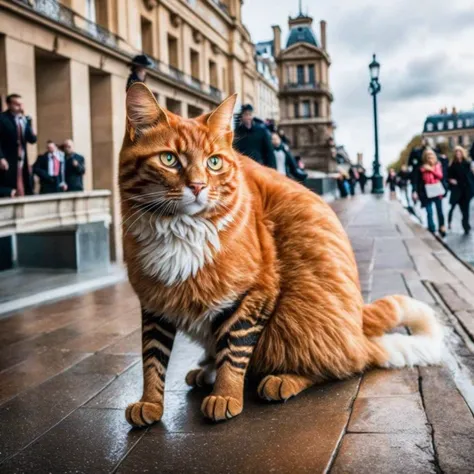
point(442, 150)
point(16, 130)
point(362, 178)
point(75, 167)
point(403, 179)
point(391, 182)
point(283, 137)
point(353, 179)
point(49, 167)
point(342, 180)
point(285, 161)
point(253, 140)
point(461, 184)
point(430, 189)
point(138, 69)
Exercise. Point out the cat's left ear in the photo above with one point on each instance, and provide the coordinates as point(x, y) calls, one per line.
point(221, 118)
point(143, 110)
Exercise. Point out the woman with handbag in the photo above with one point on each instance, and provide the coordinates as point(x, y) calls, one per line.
point(461, 183)
point(430, 189)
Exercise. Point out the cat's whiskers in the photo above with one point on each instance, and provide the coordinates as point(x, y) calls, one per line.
point(147, 209)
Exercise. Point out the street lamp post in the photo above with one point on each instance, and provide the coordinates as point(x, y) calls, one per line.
point(374, 88)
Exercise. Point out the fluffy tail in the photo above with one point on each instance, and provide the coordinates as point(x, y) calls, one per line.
point(425, 344)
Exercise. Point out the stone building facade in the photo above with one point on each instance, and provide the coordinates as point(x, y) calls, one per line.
point(267, 106)
point(69, 60)
point(304, 92)
point(454, 128)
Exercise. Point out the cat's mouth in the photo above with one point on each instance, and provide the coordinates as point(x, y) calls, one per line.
point(192, 204)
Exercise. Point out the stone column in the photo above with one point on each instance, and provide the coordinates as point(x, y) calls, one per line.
point(108, 126)
point(81, 116)
point(54, 100)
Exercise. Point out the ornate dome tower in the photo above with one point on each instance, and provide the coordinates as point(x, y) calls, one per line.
point(305, 97)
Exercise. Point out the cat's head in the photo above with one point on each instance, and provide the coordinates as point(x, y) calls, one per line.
point(170, 165)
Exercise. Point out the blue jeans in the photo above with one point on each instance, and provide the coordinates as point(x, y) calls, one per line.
point(438, 202)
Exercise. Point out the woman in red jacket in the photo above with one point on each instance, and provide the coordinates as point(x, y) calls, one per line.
point(432, 189)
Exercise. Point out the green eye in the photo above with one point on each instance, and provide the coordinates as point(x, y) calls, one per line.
point(215, 163)
point(168, 159)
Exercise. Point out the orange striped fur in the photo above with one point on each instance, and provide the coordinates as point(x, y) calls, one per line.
point(277, 289)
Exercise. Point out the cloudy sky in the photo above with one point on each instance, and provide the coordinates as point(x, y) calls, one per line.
point(426, 51)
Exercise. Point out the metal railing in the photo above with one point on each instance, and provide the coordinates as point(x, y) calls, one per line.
point(187, 79)
point(65, 16)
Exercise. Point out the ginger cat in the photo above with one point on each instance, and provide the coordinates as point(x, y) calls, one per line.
point(253, 266)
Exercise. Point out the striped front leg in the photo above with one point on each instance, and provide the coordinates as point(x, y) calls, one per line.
point(237, 331)
point(157, 342)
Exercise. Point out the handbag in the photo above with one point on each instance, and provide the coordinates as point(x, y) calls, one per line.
point(434, 190)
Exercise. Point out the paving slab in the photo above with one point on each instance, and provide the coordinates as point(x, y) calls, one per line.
point(385, 453)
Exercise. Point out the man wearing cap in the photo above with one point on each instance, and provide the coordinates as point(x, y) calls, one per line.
point(254, 140)
point(138, 69)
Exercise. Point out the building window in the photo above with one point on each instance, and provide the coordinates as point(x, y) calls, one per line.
point(316, 109)
point(90, 10)
point(195, 64)
point(173, 51)
point(460, 140)
point(450, 124)
point(296, 109)
point(300, 74)
point(312, 78)
point(459, 123)
point(306, 108)
point(147, 36)
point(451, 142)
point(213, 74)
point(440, 125)
point(429, 127)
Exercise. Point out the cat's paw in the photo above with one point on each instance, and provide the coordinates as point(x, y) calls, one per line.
point(142, 414)
point(218, 408)
point(277, 389)
point(200, 377)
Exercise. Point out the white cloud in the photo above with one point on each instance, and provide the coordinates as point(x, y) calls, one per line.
point(426, 54)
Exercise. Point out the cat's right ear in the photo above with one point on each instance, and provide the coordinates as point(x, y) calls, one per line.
point(143, 110)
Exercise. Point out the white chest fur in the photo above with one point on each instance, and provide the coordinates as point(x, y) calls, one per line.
point(173, 249)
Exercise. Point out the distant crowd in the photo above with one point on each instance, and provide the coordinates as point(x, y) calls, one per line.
point(349, 179)
point(58, 169)
point(432, 176)
point(265, 143)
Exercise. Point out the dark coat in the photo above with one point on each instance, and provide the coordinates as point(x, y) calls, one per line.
point(9, 151)
point(132, 78)
point(403, 178)
point(48, 184)
point(414, 162)
point(462, 173)
point(255, 143)
point(443, 159)
point(292, 169)
point(74, 174)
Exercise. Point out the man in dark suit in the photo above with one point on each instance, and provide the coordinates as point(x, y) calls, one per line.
point(49, 167)
point(75, 167)
point(254, 140)
point(16, 131)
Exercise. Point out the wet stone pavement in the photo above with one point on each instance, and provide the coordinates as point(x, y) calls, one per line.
point(69, 369)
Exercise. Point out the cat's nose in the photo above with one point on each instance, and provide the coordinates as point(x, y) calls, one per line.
point(196, 188)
